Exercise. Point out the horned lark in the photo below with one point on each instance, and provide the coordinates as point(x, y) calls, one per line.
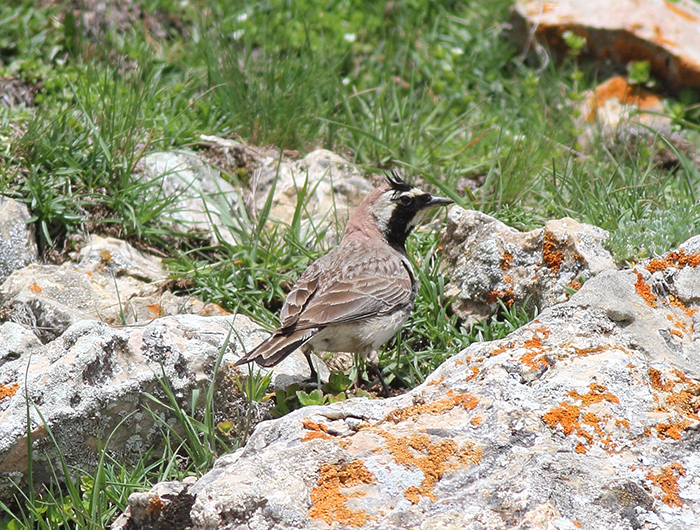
point(356, 297)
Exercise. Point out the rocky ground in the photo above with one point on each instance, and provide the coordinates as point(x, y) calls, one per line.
point(587, 417)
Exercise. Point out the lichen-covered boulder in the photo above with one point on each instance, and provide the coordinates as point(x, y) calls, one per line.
point(487, 261)
point(88, 386)
point(662, 33)
point(585, 418)
point(113, 282)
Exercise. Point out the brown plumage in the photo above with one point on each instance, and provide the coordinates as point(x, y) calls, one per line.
point(356, 297)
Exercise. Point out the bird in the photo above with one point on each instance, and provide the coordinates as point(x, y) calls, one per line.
point(358, 295)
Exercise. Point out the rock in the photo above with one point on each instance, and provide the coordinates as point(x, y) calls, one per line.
point(663, 33)
point(488, 261)
point(585, 418)
point(615, 103)
point(89, 385)
point(168, 503)
point(16, 340)
point(17, 244)
point(203, 202)
point(329, 185)
point(113, 282)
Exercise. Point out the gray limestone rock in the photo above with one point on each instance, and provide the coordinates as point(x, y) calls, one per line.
point(202, 201)
point(113, 282)
point(488, 261)
point(585, 418)
point(329, 186)
point(16, 340)
point(17, 244)
point(89, 386)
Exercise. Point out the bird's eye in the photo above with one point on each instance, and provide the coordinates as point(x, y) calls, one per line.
point(405, 200)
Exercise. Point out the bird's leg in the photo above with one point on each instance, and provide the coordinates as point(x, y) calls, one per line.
point(373, 361)
point(314, 377)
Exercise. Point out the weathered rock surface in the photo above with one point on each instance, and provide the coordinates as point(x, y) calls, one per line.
point(488, 261)
point(329, 186)
point(203, 202)
point(112, 282)
point(663, 33)
point(94, 376)
point(16, 340)
point(615, 103)
point(17, 244)
point(585, 418)
point(167, 501)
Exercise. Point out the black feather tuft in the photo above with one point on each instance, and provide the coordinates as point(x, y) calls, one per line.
point(396, 182)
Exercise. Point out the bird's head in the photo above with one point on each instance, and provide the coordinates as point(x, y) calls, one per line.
point(393, 210)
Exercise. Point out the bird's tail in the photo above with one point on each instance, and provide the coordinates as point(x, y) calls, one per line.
point(273, 350)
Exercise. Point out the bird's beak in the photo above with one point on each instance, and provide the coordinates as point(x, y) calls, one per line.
point(438, 201)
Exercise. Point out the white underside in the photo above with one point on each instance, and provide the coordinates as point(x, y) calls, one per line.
point(363, 336)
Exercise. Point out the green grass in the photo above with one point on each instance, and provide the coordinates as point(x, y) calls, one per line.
point(432, 87)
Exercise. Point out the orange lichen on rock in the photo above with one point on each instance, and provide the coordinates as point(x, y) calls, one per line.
point(475, 372)
point(476, 421)
point(657, 381)
point(551, 257)
point(434, 459)
point(572, 420)
point(466, 401)
point(35, 288)
point(621, 422)
point(543, 331)
point(507, 297)
point(315, 435)
point(674, 259)
point(7, 391)
point(677, 303)
point(644, 290)
point(156, 310)
point(672, 397)
point(565, 415)
point(626, 94)
point(506, 260)
point(531, 359)
point(585, 352)
point(597, 394)
point(501, 349)
point(680, 12)
point(673, 429)
point(329, 503)
point(316, 431)
point(581, 449)
point(667, 480)
point(574, 284)
point(155, 506)
point(436, 382)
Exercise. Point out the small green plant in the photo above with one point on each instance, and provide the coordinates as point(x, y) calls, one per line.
point(639, 73)
point(575, 44)
point(254, 386)
point(294, 397)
